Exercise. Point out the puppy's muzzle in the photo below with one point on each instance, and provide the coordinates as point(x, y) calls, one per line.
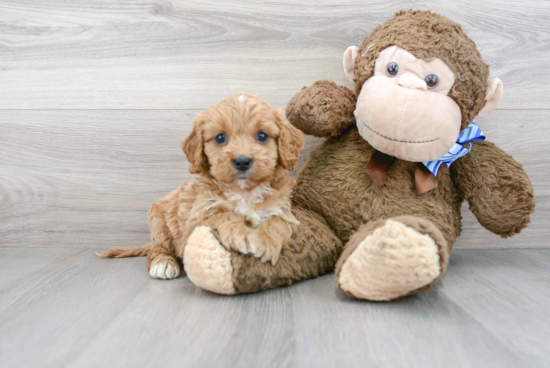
point(242, 163)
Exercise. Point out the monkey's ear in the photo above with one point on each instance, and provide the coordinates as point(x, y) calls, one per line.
point(349, 61)
point(193, 147)
point(290, 142)
point(494, 94)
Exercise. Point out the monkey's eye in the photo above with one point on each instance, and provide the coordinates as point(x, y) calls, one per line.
point(220, 139)
point(392, 69)
point(431, 80)
point(262, 137)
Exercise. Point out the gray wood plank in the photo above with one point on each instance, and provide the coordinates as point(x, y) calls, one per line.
point(48, 315)
point(490, 310)
point(187, 55)
point(87, 178)
point(425, 330)
point(23, 270)
point(507, 292)
point(198, 329)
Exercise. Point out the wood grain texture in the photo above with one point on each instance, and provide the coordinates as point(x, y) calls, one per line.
point(66, 307)
point(75, 178)
point(95, 97)
point(510, 296)
point(87, 178)
point(178, 54)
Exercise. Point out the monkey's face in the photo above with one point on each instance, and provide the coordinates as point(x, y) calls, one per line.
point(404, 109)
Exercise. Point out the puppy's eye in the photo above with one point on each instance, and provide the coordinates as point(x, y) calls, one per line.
point(431, 80)
point(220, 139)
point(392, 69)
point(262, 137)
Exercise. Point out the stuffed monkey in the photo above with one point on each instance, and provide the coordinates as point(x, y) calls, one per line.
point(379, 201)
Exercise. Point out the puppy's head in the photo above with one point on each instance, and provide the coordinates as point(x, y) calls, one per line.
point(242, 140)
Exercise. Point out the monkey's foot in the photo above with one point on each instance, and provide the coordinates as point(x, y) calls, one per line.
point(392, 258)
point(208, 263)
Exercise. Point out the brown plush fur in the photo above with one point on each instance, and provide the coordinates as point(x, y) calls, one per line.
point(249, 212)
point(337, 202)
point(427, 35)
point(327, 108)
point(313, 252)
point(497, 188)
point(334, 184)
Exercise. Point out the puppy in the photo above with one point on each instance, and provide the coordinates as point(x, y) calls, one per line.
point(241, 150)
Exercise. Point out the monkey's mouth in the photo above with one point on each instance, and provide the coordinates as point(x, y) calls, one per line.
point(393, 139)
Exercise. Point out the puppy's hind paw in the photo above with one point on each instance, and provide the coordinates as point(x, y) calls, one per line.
point(165, 270)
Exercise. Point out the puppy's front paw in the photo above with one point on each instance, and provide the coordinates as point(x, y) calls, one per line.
point(251, 241)
point(241, 238)
point(165, 269)
point(271, 254)
point(260, 247)
point(270, 248)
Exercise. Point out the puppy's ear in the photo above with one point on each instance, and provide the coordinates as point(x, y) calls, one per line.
point(193, 147)
point(290, 143)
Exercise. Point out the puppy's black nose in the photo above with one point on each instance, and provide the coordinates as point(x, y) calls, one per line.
point(242, 163)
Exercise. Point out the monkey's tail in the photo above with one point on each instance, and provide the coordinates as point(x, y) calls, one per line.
point(140, 251)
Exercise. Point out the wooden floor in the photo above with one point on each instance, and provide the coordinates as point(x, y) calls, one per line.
point(95, 97)
point(64, 307)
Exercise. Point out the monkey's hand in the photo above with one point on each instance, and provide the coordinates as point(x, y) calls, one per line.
point(497, 187)
point(322, 110)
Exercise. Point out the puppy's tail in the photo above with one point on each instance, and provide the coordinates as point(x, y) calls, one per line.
point(123, 252)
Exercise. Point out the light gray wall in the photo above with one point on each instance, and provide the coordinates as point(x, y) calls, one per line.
point(96, 96)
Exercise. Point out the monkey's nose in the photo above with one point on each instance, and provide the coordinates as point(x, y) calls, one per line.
point(409, 81)
point(242, 163)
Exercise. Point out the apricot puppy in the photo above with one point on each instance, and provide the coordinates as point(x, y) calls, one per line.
point(241, 150)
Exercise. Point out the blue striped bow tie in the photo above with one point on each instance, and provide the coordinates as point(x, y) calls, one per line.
point(472, 133)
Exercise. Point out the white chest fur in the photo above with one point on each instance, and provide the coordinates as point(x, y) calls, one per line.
point(250, 204)
point(253, 205)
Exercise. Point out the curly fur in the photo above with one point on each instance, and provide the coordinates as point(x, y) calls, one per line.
point(249, 212)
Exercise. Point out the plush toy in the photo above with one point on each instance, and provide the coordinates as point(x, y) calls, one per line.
point(380, 199)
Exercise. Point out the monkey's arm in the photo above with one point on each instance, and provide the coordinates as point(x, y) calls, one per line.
point(497, 187)
point(322, 110)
